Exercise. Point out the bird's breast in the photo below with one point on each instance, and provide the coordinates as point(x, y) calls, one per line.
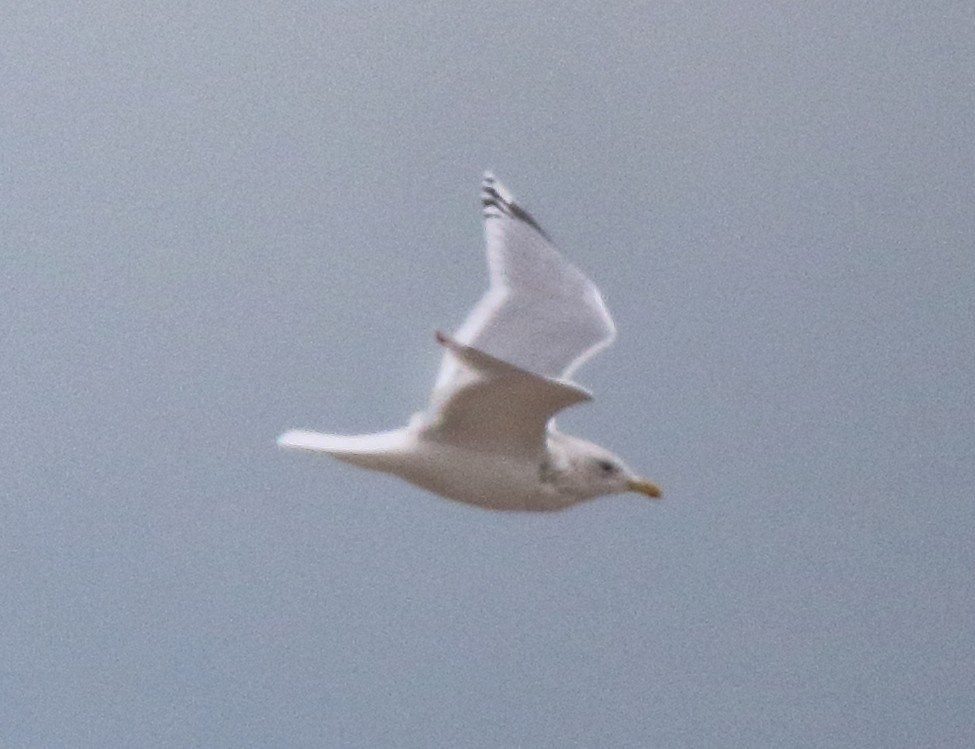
point(490, 480)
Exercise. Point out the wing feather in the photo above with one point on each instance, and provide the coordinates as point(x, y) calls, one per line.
point(540, 312)
point(496, 406)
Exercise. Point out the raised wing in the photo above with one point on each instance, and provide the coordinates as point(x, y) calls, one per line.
point(493, 406)
point(540, 312)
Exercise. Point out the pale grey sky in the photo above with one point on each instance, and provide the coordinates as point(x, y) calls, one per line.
point(220, 222)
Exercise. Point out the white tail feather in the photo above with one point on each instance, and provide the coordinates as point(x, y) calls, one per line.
point(366, 450)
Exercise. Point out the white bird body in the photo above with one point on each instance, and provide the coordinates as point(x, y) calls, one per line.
point(488, 436)
point(489, 480)
point(495, 480)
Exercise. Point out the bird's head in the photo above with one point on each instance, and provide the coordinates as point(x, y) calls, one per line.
point(586, 470)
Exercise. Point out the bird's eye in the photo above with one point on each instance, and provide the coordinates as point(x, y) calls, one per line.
point(605, 466)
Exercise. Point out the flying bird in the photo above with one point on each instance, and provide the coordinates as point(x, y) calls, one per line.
point(487, 437)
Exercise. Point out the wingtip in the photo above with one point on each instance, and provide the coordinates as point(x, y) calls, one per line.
point(446, 341)
point(497, 201)
point(495, 197)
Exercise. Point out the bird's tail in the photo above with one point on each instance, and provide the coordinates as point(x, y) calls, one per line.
point(366, 450)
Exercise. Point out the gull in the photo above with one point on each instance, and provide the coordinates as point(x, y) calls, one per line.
point(487, 437)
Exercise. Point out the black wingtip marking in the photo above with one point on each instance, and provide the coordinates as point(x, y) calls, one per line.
point(496, 204)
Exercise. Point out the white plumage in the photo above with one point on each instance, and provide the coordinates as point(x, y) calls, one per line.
point(487, 436)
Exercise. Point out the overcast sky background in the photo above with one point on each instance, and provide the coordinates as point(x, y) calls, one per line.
point(221, 222)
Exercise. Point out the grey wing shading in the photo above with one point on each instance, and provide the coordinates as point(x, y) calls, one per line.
point(493, 406)
point(540, 312)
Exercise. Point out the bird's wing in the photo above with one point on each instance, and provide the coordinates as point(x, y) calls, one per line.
point(540, 313)
point(494, 406)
